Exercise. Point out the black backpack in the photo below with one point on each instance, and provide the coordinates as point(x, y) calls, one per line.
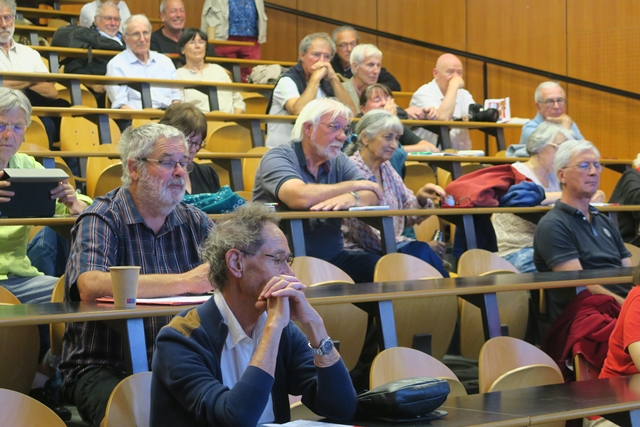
point(78, 37)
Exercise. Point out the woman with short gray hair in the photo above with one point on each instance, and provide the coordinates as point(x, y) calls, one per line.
point(378, 132)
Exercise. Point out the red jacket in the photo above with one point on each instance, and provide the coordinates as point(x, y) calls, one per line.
point(485, 186)
point(584, 326)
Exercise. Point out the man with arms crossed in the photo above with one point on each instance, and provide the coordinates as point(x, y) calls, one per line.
point(142, 223)
point(234, 360)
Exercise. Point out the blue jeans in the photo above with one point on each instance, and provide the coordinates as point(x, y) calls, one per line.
point(48, 252)
point(423, 251)
point(523, 260)
point(358, 265)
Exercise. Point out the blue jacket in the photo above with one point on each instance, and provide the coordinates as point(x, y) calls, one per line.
point(533, 124)
point(186, 388)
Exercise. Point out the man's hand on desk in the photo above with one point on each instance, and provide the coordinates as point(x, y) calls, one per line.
point(196, 281)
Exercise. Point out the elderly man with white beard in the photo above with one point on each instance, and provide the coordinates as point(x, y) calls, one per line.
point(143, 223)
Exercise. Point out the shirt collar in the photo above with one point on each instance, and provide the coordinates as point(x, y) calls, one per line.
point(302, 160)
point(132, 58)
point(570, 210)
point(236, 333)
point(133, 216)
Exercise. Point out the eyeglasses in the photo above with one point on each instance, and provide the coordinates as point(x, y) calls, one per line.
point(195, 143)
point(345, 46)
point(550, 102)
point(335, 127)
point(169, 164)
point(111, 18)
point(278, 259)
point(317, 55)
point(137, 36)
point(17, 129)
point(8, 19)
point(585, 167)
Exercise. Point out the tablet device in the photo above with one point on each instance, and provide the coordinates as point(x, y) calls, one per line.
point(32, 192)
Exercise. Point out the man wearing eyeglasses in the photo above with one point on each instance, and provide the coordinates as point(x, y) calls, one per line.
point(311, 78)
point(139, 61)
point(143, 223)
point(551, 104)
point(243, 355)
point(88, 12)
point(346, 38)
point(574, 235)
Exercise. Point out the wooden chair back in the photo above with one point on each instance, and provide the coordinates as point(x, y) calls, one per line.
point(250, 166)
point(56, 330)
point(635, 253)
point(400, 362)
point(96, 165)
point(110, 178)
point(228, 137)
point(527, 376)
point(129, 404)
point(80, 134)
point(474, 262)
point(19, 348)
point(311, 270)
point(255, 102)
point(443, 177)
point(417, 174)
point(471, 167)
point(88, 98)
point(424, 231)
point(500, 355)
point(501, 154)
point(36, 134)
point(20, 410)
point(433, 315)
point(583, 369)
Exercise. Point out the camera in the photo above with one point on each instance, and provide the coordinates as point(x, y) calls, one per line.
point(479, 114)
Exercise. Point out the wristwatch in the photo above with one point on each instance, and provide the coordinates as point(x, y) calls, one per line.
point(357, 197)
point(325, 347)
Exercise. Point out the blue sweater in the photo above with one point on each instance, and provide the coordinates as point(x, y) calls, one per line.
point(186, 389)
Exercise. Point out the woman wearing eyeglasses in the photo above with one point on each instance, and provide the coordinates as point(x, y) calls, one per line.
point(378, 133)
point(193, 47)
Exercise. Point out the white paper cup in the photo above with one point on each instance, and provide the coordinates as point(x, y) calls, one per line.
point(124, 281)
point(211, 33)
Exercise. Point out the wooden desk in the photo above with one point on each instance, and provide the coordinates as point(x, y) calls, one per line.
point(33, 12)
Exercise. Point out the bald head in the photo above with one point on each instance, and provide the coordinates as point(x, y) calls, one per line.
point(447, 67)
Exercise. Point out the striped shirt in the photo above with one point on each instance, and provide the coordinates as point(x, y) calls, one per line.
point(112, 232)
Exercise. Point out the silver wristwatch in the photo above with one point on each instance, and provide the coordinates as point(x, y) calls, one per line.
point(325, 347)
point(357, 197)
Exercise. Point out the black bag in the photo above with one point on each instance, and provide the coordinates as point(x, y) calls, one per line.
point(78, 37)
point(405, 399)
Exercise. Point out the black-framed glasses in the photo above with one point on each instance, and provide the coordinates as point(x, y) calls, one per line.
point(550, 102)
point(194, 143)
point(278, 259)
point(17, 129)
point(169, 164)
point(585, 167)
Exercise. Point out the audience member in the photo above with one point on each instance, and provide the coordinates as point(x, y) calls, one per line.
point(167, 38)
point(236, 20)
point(143, 223)
point(346, 39)
point(243, 354)
point(447, 94)
point(88, 12)
point(574, 235)
point(627, 192)
point(312, 77)
point(311, 172)
point(514, 233)
point(192, 46)
point(20, 58)
point(107, 24)
point(550, 103)
point(189, 120)
point(378, 133)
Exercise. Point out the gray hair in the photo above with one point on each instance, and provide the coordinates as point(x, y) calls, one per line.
point(546, 133)
point(371, 124)
point(242, 230)
point(545, 85)
point(139, 17)
point(11, 4)
point(306, 42)
point(163, 5)
point(315, 109)
point(363, 51)
point(569, 149)
point(102, 6)
point(12, 99)
point(334, 34)
point(140, 142)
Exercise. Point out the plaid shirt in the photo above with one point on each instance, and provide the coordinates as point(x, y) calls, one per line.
point(112, 232)
point(360, 236)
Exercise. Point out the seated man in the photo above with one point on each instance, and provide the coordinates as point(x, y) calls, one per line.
point(139, 61)
point(165, 39)
point(550, 103)
point(574, 235)
point(346, 38)
point(447, 94)
point(107, 24)
point(627, 192)
point(311, 172)
point(312, 77)
point(141, 223)
point(88, 12)
point(242, 354)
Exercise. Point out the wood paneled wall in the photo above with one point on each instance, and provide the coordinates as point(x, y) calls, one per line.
point(593, 40)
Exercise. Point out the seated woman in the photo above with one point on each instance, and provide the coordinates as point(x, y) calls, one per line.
point(515, 234)
point(189, 120)
point(378, 134)
point(193, 47)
